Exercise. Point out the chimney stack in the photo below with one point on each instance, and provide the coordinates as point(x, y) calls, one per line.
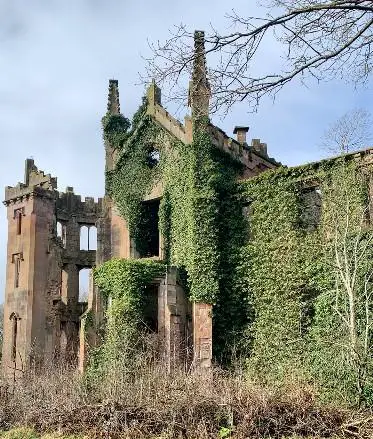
point(241, 134)
point(260, 147)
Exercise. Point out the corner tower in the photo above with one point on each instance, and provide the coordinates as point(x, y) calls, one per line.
point(31, 219)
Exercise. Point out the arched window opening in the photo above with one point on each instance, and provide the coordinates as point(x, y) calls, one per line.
point(14, 319)
point(92, 238)
point(85, 280)
point(84, 238)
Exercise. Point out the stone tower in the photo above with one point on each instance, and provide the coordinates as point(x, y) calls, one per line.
point(30, 212)
point(42, 309)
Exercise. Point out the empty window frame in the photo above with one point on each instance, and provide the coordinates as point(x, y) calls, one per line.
point(16, 259)
point(18, 214)
point(14, 328)
point(311, 207)
point(61, 233)
point(88, 237)
point(153, 157)
point(147, 245)
point(85, 281)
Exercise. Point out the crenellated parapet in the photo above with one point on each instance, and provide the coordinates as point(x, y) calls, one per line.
point(253, 157)
point(85, 211)
point(36, 183)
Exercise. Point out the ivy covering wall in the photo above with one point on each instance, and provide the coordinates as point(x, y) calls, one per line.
point(301, 324)
point(123, 283)
point(281, 299)
point(200, 215)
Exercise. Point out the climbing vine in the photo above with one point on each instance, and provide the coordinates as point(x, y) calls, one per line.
point(136, 171)
point(123, 282)
point(203, 228)
point(115, 127)
point(294, 284)
point(200, 194)
point(270, 274)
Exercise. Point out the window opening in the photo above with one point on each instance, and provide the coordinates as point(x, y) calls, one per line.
point(84, 238)
point(148, 243)
point(18, 213)
point(92, 238)
point(59, 230)
point(153, 157)
point(311, 207)
point(61, 233)
point(84, 283)
point(150, 313)
point(88, 237)
point(14, 318)
point(17, 258)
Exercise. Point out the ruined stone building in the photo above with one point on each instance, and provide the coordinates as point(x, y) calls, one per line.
point(43, 316)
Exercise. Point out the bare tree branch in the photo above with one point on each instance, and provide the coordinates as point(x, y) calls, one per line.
point(320, 39)
point(349, 133)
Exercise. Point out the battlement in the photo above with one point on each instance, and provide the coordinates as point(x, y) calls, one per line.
point(241, 151)
point(36, 182)
point(68, 203)
point(35, 177)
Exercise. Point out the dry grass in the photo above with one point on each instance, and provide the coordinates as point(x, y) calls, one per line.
point(149, 402)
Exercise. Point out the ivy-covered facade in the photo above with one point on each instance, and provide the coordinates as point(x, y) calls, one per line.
point(206, 242)
point(261, 263)
point(174, 198)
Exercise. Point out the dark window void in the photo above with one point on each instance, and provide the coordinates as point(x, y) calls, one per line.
point(147, 243)
point(150, 314)
point(17, 258)
point(18, 217)
point(14, 319)
point(311, 207)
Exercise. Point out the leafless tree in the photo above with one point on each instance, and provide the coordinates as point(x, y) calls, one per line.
point(354, 294)
point(350, 132)
point(348, 251)
point(320, 39)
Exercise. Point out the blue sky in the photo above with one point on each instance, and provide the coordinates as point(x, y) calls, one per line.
point(56, 58)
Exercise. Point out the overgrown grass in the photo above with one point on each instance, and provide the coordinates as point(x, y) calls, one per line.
point(150, 402)
point(29, 433)
point(140, 398)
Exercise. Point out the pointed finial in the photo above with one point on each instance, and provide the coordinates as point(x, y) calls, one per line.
point(154, 94)
point(113, 106)
point(199, 87)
